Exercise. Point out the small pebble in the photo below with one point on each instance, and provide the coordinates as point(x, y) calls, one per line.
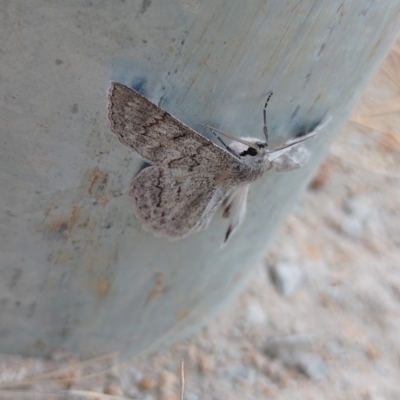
point(168, 385)
point(113, 389)
point(295, 351)
point(286, 277)
point(288, 348)
point(205, 363)
point(314, 367)
point(256, 314)
point(352, 226)
point(359, 207)
point(353, 221)
point(147, 383)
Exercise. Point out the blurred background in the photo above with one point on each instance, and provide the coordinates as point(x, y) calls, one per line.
point(320, 318)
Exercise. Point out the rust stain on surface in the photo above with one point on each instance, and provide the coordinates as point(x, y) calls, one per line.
point(63, 258)
point(103, 286)
point(182, 314)
point(158, 287)
point(105, 199)
point(237, 278)
point(39, 345)
point(97, 182)
point(96, 177)
point(61, 225)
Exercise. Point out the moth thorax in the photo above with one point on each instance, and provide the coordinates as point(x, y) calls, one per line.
point(242, 149)
point(238, 148)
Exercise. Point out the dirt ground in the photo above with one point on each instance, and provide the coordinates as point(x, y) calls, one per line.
point(320, 318)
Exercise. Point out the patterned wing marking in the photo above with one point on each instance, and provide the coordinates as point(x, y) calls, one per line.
point(173, 204)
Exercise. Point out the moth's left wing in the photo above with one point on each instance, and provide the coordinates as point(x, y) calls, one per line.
point(160, 138)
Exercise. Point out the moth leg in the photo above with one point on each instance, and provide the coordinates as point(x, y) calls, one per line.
point(235, 210)
point(227, 148)
point(217, 136)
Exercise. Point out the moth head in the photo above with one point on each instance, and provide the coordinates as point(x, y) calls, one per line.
point(258, 148)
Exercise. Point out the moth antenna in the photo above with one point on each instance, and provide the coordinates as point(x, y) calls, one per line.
point(228, 135)
point(265, 128)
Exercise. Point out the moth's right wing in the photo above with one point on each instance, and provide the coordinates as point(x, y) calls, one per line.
point(293, 143)
point(161, 138)
point(293, 154)
point(173, 204)
point(294, 159)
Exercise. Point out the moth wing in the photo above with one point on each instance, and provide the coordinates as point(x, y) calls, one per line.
point(294, 143)
point(173, 204)
point(294, 159)
point(159, 137)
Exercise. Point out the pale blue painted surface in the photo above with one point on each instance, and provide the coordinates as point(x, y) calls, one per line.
point(76, 269)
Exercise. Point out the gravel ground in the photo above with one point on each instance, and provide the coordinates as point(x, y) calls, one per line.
point(320, 318)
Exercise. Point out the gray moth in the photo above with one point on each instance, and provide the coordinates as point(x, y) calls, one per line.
point(190, 177)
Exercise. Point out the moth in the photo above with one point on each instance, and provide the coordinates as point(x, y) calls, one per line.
point(190, 177)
